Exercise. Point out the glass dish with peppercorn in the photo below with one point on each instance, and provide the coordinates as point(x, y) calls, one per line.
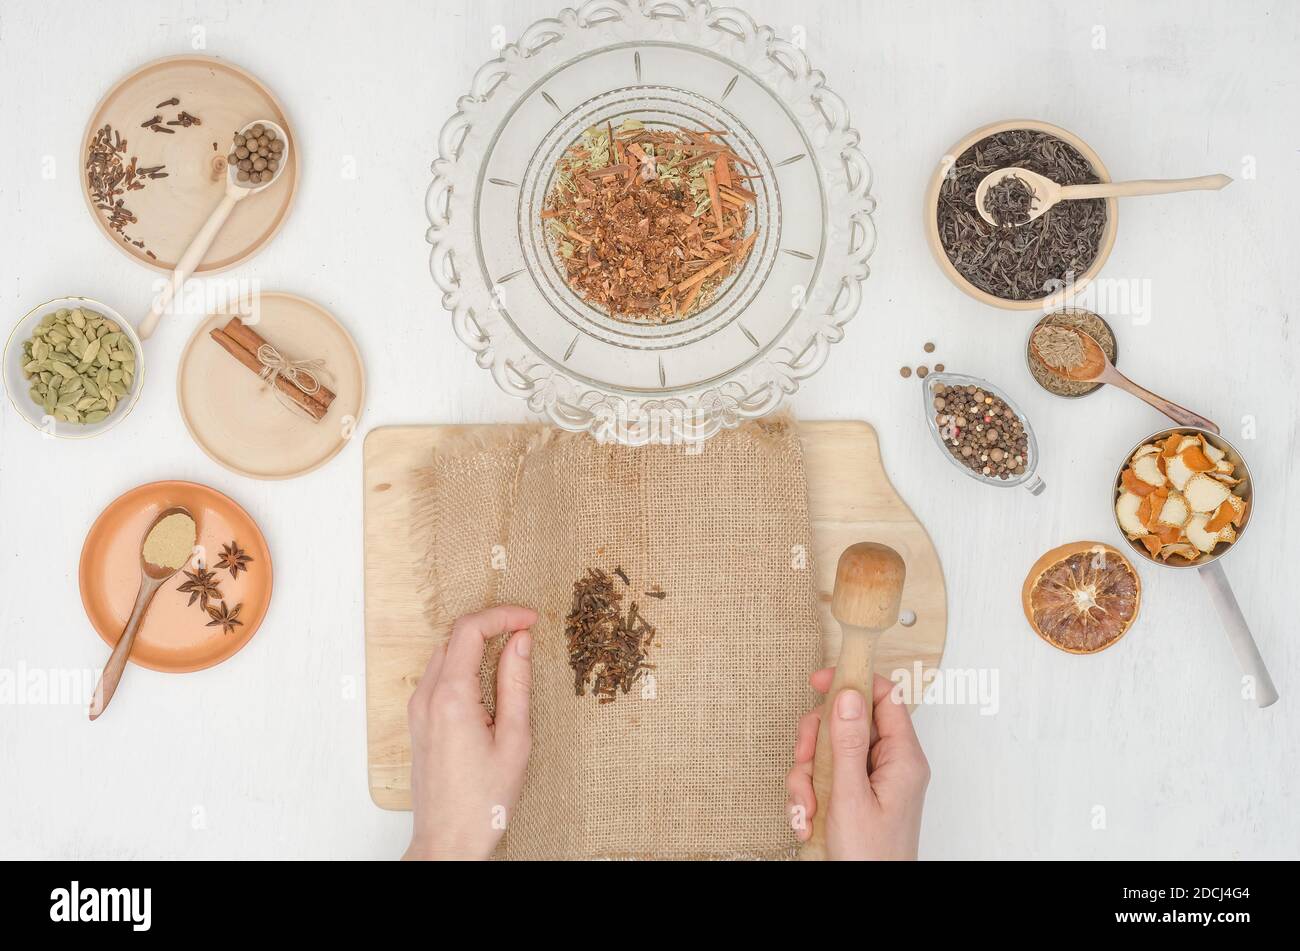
point(981, 431)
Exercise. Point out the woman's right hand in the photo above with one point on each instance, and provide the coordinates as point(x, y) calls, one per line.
point(879, 776)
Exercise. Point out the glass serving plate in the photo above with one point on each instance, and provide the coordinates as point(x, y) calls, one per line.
point(668, 63)
point(1029, 479)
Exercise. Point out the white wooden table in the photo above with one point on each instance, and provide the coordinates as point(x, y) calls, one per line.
point(1144, 750)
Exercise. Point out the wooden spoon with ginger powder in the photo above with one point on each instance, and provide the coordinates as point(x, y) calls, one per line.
point(166, 549)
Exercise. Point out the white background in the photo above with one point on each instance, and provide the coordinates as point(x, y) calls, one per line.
point(1144, 750)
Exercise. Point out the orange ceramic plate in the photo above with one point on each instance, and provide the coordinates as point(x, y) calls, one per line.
point(174, 637)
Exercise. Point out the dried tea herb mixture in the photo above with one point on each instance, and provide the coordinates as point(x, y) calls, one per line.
point(649, 223)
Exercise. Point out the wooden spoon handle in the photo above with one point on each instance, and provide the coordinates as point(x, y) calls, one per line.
point(1179, 414)
point(188, 263)
point(1148, 186)
point(113, 670)
point(854, 669)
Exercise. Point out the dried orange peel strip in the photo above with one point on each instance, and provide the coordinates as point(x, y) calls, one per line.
point(1195, 459)
point(1222, 518)
point(1135, 485)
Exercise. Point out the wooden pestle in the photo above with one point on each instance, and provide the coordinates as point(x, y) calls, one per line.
point(865, 602)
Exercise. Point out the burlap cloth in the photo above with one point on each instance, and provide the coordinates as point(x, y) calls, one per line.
point(692, 762)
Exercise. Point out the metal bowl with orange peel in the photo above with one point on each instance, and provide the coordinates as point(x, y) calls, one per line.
point(1166, 472)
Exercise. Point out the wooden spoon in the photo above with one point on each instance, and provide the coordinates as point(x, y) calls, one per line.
point(193, 256)
point(868, 590)
point(152, 577)
point(1047, 192)
point(1097, 369)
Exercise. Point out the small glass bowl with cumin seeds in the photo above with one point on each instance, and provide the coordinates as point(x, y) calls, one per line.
point(1073, 318)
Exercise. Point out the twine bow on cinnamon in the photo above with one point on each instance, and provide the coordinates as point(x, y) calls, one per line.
point(301, 373)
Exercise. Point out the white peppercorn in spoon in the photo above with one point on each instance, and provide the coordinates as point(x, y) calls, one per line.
point(236, 191)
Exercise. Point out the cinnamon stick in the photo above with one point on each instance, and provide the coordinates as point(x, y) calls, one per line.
point(299, 398)
point(252, 341)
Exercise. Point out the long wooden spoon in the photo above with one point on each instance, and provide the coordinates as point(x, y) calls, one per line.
point(1097, 369)
point(152, 577)
point(868, 590)
point(236, 192)
point(1047, 193)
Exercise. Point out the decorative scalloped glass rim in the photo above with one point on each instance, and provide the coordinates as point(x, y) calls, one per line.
point(756, 386)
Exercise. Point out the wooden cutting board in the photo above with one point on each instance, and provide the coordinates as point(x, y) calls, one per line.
point(850, 499)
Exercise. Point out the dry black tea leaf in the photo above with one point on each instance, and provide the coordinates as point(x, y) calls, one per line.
point(1010, 202)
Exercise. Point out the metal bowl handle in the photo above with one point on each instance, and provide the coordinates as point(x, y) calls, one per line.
point(1238, 631)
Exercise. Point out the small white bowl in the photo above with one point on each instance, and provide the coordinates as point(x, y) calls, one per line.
point(17, 385)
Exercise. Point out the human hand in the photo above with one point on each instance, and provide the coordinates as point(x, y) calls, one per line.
point(466, 770)
point(873, 814)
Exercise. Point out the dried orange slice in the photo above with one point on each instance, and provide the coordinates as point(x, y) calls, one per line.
point(1081, 597)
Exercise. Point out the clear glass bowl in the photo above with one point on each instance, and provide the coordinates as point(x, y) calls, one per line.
point(1029, 478)
point(669, 64)
point(17, 385)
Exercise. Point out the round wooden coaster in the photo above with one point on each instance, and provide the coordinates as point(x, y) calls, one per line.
point(175, 636)
point(169, 211)
point(241, 422)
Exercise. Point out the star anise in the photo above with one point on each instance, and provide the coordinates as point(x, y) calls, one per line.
point(234, 559)
point(222, 615)
point(202, 587)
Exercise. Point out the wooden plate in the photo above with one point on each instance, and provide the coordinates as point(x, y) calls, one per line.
point(174, 637)
point(241, 423)
point(171, 210)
